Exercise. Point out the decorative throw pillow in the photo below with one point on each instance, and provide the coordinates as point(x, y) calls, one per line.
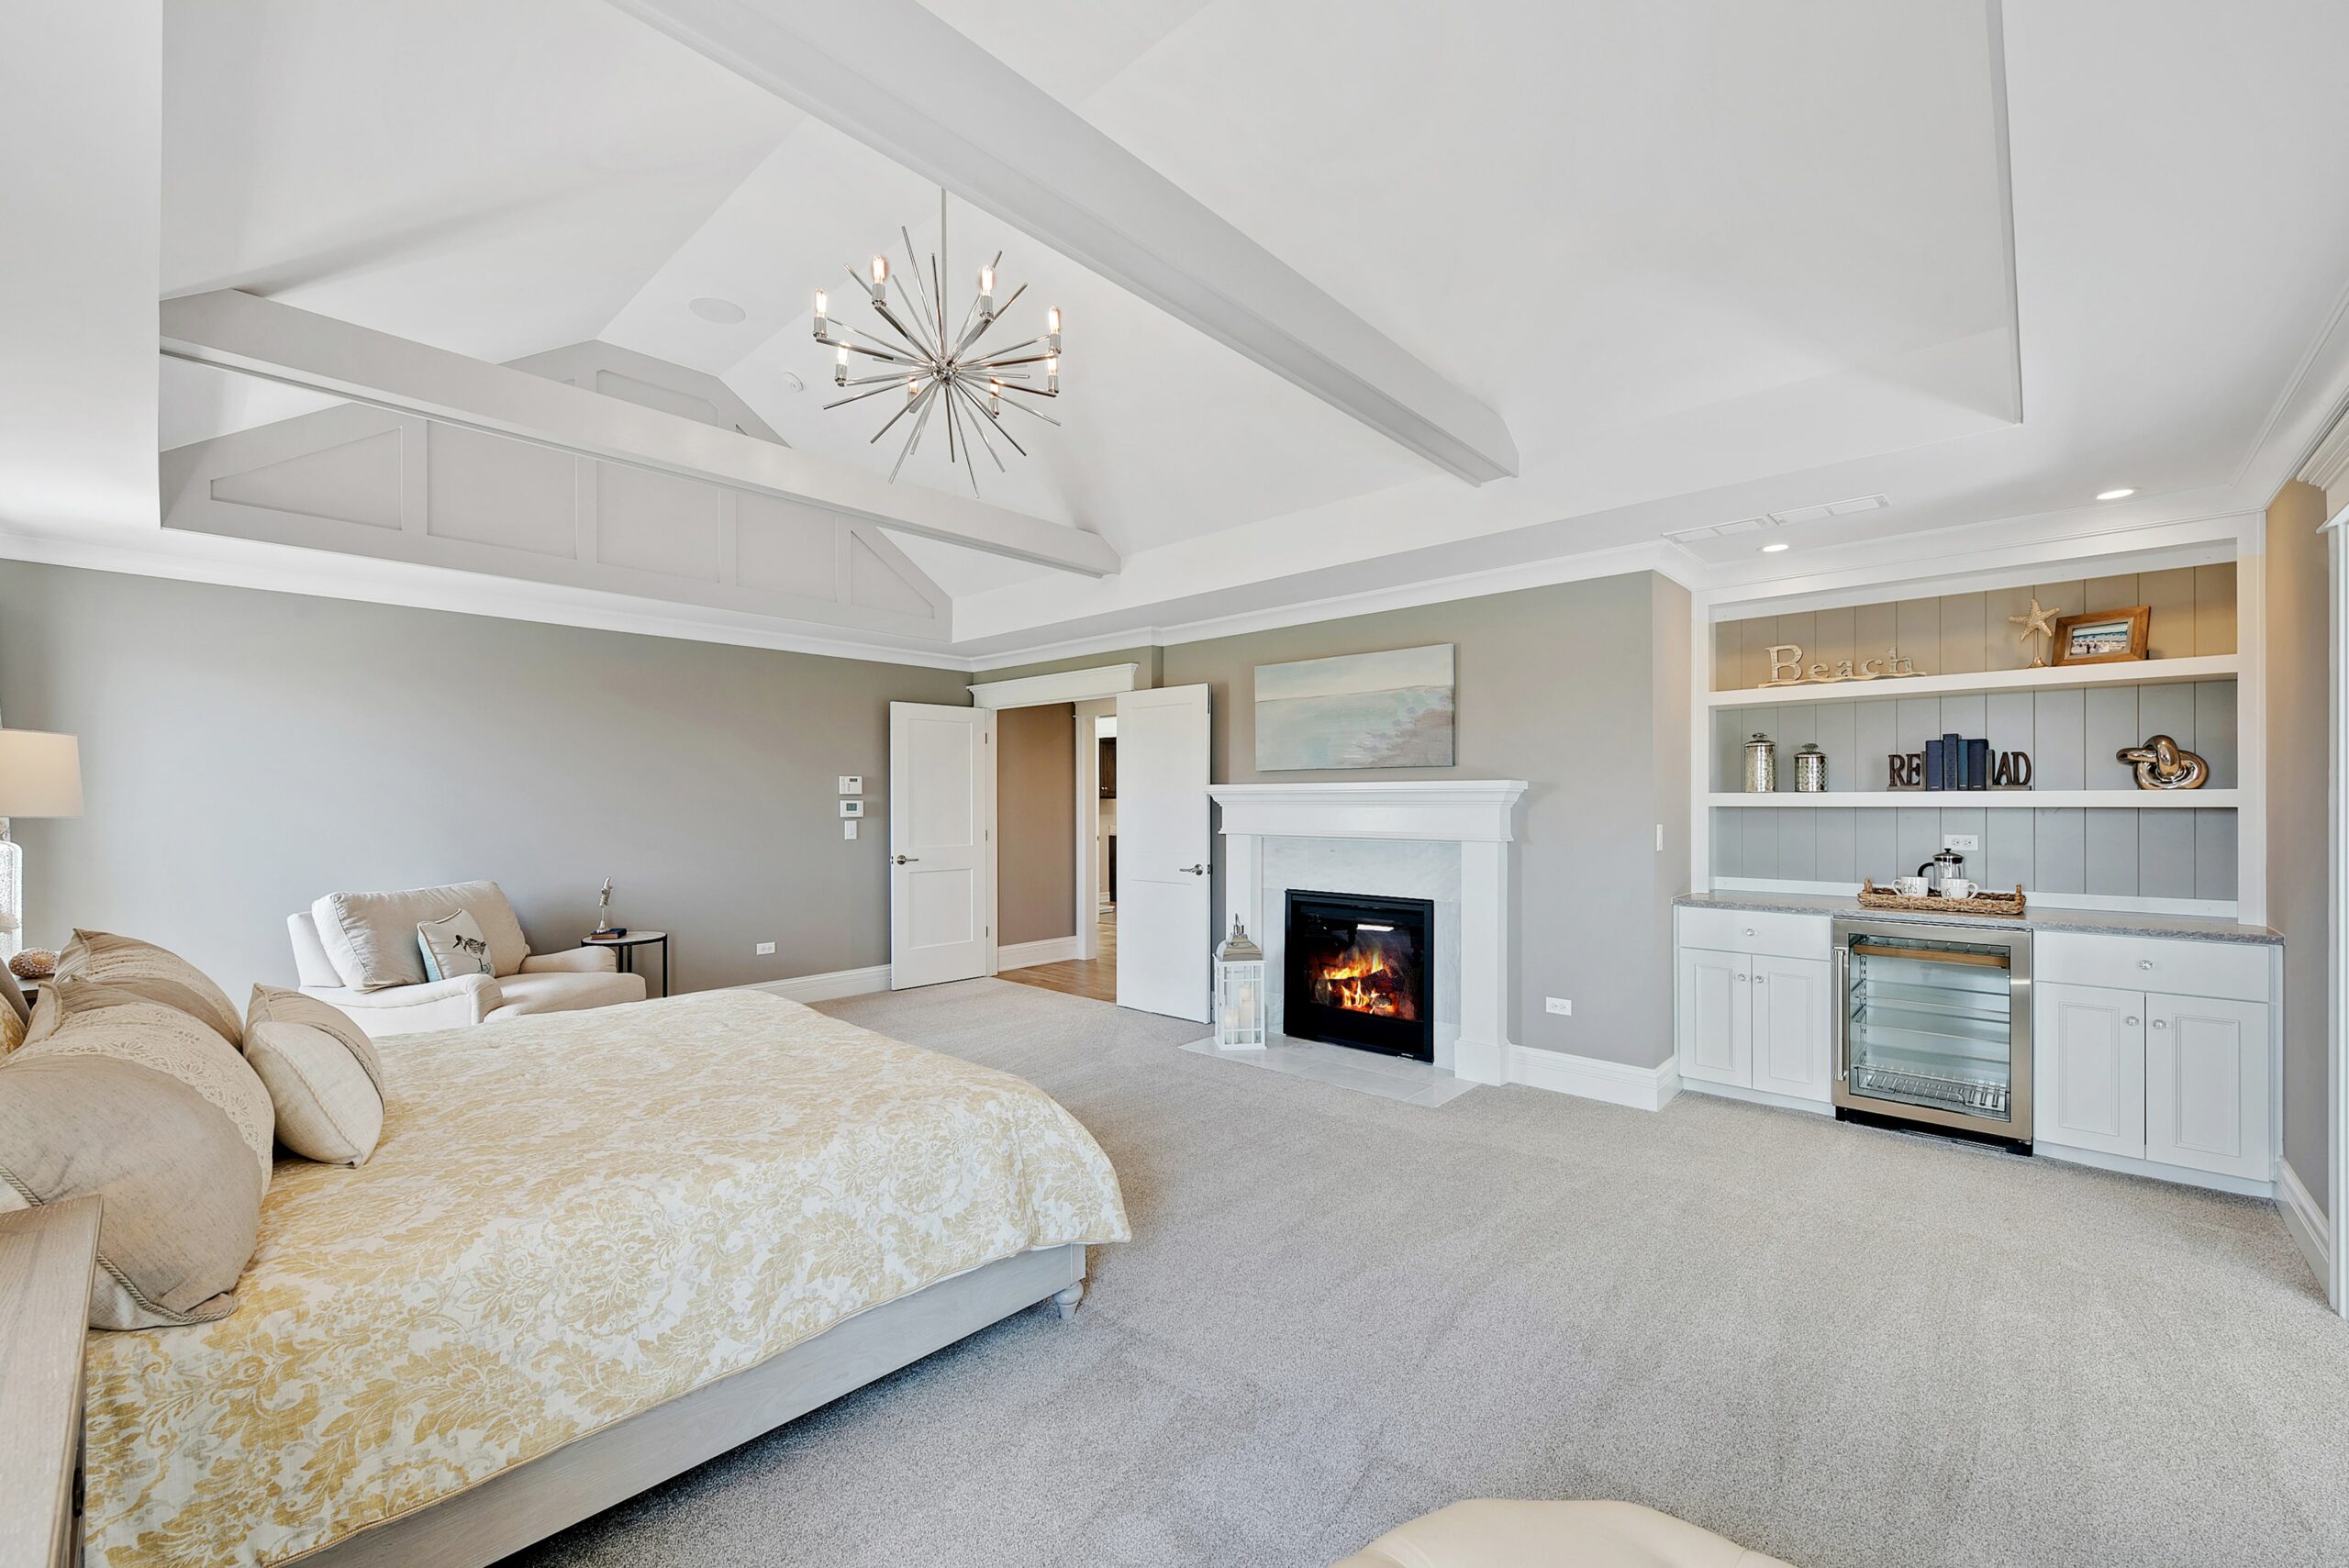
point(182, 1200)
point(90, 1018)
point(454, 945)
point(14, 1014)
point(370, 938)
point(155, 973)
point(325, 1081)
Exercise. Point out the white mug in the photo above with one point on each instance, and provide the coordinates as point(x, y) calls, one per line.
point(1958, 888)
point(1912, 887)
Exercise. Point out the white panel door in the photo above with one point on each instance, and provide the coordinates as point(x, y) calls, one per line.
point(2205, 1085)
point(1164, 926)
point(1714, 1025)
point(1793, 1037)
point(2088, 1066)
point(941, 852)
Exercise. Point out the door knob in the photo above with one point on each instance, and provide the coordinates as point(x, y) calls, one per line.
point(1195, 871)
point(904, 860)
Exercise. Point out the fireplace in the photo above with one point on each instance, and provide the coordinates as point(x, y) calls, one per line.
point(1357, 972)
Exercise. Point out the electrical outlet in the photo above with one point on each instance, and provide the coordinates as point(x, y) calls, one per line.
point(766, 949)
point(1560, 1005)
point(1964, 843)
point(848, 829)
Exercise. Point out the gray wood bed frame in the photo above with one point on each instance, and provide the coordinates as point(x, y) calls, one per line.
point(534, 1499)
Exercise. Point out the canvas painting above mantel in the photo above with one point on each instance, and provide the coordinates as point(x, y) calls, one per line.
point(1392, 709)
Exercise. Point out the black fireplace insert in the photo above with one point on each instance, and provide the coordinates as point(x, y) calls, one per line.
point(1357, 972)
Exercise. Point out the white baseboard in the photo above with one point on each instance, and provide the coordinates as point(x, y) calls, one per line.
point(824, 987)
point(1759, 1097)
point(1025, 955)
point(2304, 1218)
point(1615, 1083)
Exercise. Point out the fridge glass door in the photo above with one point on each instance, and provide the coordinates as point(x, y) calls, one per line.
point(1932, 1025)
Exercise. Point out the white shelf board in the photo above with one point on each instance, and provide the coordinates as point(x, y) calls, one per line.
point(2056, 678)
point(1993, 799)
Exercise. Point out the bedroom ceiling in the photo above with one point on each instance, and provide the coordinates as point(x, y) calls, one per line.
point(1706, 260)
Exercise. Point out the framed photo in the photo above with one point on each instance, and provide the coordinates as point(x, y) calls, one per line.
point(2102, 637)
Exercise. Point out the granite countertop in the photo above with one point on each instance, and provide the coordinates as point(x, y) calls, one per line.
point(2098, 921)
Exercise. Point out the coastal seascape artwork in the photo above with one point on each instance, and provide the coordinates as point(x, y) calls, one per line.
point(1358, 710)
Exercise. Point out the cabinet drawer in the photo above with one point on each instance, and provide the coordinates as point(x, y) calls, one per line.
point(2233, 970)
point(1741, 930)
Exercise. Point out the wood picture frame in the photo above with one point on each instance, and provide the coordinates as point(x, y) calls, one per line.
point(2103, 636)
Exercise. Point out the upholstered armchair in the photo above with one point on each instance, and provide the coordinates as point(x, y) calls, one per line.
point(358, 951)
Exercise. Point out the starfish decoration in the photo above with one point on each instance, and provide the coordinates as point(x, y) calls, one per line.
point(2035, 624)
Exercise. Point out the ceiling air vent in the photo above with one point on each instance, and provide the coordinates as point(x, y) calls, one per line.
point(1780, 519)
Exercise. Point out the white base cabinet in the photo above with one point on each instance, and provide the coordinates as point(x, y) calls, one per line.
point(1755, 1015)
point(2205, 1085)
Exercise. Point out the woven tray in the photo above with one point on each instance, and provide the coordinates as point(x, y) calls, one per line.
point(1874, 897)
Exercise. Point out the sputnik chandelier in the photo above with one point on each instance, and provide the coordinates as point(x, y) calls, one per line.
point(942, 370)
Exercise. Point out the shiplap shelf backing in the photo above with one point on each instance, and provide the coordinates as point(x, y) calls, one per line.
point(2084, 828)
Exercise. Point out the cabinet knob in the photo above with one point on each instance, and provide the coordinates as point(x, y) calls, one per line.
point(2161, 1023)
point(1749, 930)
point(1741, 977)
point(2132, 1019)
point(1761, 980)
point(2144, 963)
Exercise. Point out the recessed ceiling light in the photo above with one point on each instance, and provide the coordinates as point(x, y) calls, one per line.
point(2121, 494)
point(725, 312)
point(1773, 549)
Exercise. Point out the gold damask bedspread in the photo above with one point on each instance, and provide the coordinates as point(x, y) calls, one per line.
point(572, 1218)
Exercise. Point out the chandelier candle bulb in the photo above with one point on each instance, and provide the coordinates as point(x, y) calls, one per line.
point(823, 323)
point(1053, 376)
point(880, 280)
point(840, 367)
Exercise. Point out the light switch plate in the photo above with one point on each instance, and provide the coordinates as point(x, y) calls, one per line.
point(851, 808)
point(848, 829)
point(851, 784)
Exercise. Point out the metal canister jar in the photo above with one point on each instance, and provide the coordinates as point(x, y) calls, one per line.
point(1810, 769)
point(1761, 766)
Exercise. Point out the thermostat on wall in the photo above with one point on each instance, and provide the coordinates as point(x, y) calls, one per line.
point(851, 808)
point(851, 784)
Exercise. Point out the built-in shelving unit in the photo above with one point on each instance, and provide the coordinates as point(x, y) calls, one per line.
point(2057, 678)
point(1978, 799)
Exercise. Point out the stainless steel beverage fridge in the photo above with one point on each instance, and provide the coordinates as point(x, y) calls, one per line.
point(1932, 1026)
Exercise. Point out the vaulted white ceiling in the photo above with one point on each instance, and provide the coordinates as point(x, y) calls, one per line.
point(1706, 260)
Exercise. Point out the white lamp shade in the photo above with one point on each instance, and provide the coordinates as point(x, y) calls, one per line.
point(41, 774)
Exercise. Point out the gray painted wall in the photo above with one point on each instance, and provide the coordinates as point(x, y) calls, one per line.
point(1582, 689)
point(2298, 700)
point(1035, 823)
point(243, 752)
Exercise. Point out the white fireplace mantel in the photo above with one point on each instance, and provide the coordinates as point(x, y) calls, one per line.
point(1476, 813)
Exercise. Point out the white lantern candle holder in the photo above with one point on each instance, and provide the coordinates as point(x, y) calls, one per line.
point(1238, 993)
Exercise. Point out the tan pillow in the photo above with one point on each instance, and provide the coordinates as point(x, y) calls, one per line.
point(156, 973)
point(371, 936)
point(325, 1081)
point(182, 1201)
point(89, 1018)
point(15, 1014)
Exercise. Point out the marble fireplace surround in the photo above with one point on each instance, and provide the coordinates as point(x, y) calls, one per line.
point(1445, 839)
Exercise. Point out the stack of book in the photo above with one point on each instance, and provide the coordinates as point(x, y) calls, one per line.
point(1954, 763)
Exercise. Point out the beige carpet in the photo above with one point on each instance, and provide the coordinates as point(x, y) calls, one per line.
point(1841, 1346)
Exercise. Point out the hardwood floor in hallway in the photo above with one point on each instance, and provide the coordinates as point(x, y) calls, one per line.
point(1095, 977)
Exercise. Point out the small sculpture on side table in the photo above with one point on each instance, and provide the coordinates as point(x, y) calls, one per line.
point(604, 926)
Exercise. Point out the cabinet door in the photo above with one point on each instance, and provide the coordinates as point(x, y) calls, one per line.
point(1793, 1027)
point(2088, 1066)
point(2206, 1084)
point(1715, 1026)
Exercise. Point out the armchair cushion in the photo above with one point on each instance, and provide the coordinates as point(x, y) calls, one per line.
point(562, 993)
point(412, 1009)
point(572, 960)
point(371, 936)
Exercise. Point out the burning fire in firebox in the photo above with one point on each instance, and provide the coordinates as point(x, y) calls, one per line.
point(1364, 980)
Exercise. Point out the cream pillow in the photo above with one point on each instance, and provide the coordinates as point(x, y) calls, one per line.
point(325, 1081)
point(182, 1201)
point(452, 946)
point(15, 1014)
point(157, 973)
point(370, 938)
point(90, 1017)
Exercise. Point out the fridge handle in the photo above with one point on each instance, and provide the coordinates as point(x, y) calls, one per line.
point(1842, 1012)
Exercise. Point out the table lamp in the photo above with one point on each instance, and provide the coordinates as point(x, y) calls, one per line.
point(40, 775)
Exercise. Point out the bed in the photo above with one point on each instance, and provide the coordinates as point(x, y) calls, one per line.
point(593, 1250)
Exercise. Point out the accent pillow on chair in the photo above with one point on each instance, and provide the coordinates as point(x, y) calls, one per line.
point(157, 973)
point(324, 1078)
point(182, 1198)
point(454, 945)
point(90, 1018)
point(370, 938)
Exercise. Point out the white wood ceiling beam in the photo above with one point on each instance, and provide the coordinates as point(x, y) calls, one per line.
point(243, 332)
point(895, 77)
